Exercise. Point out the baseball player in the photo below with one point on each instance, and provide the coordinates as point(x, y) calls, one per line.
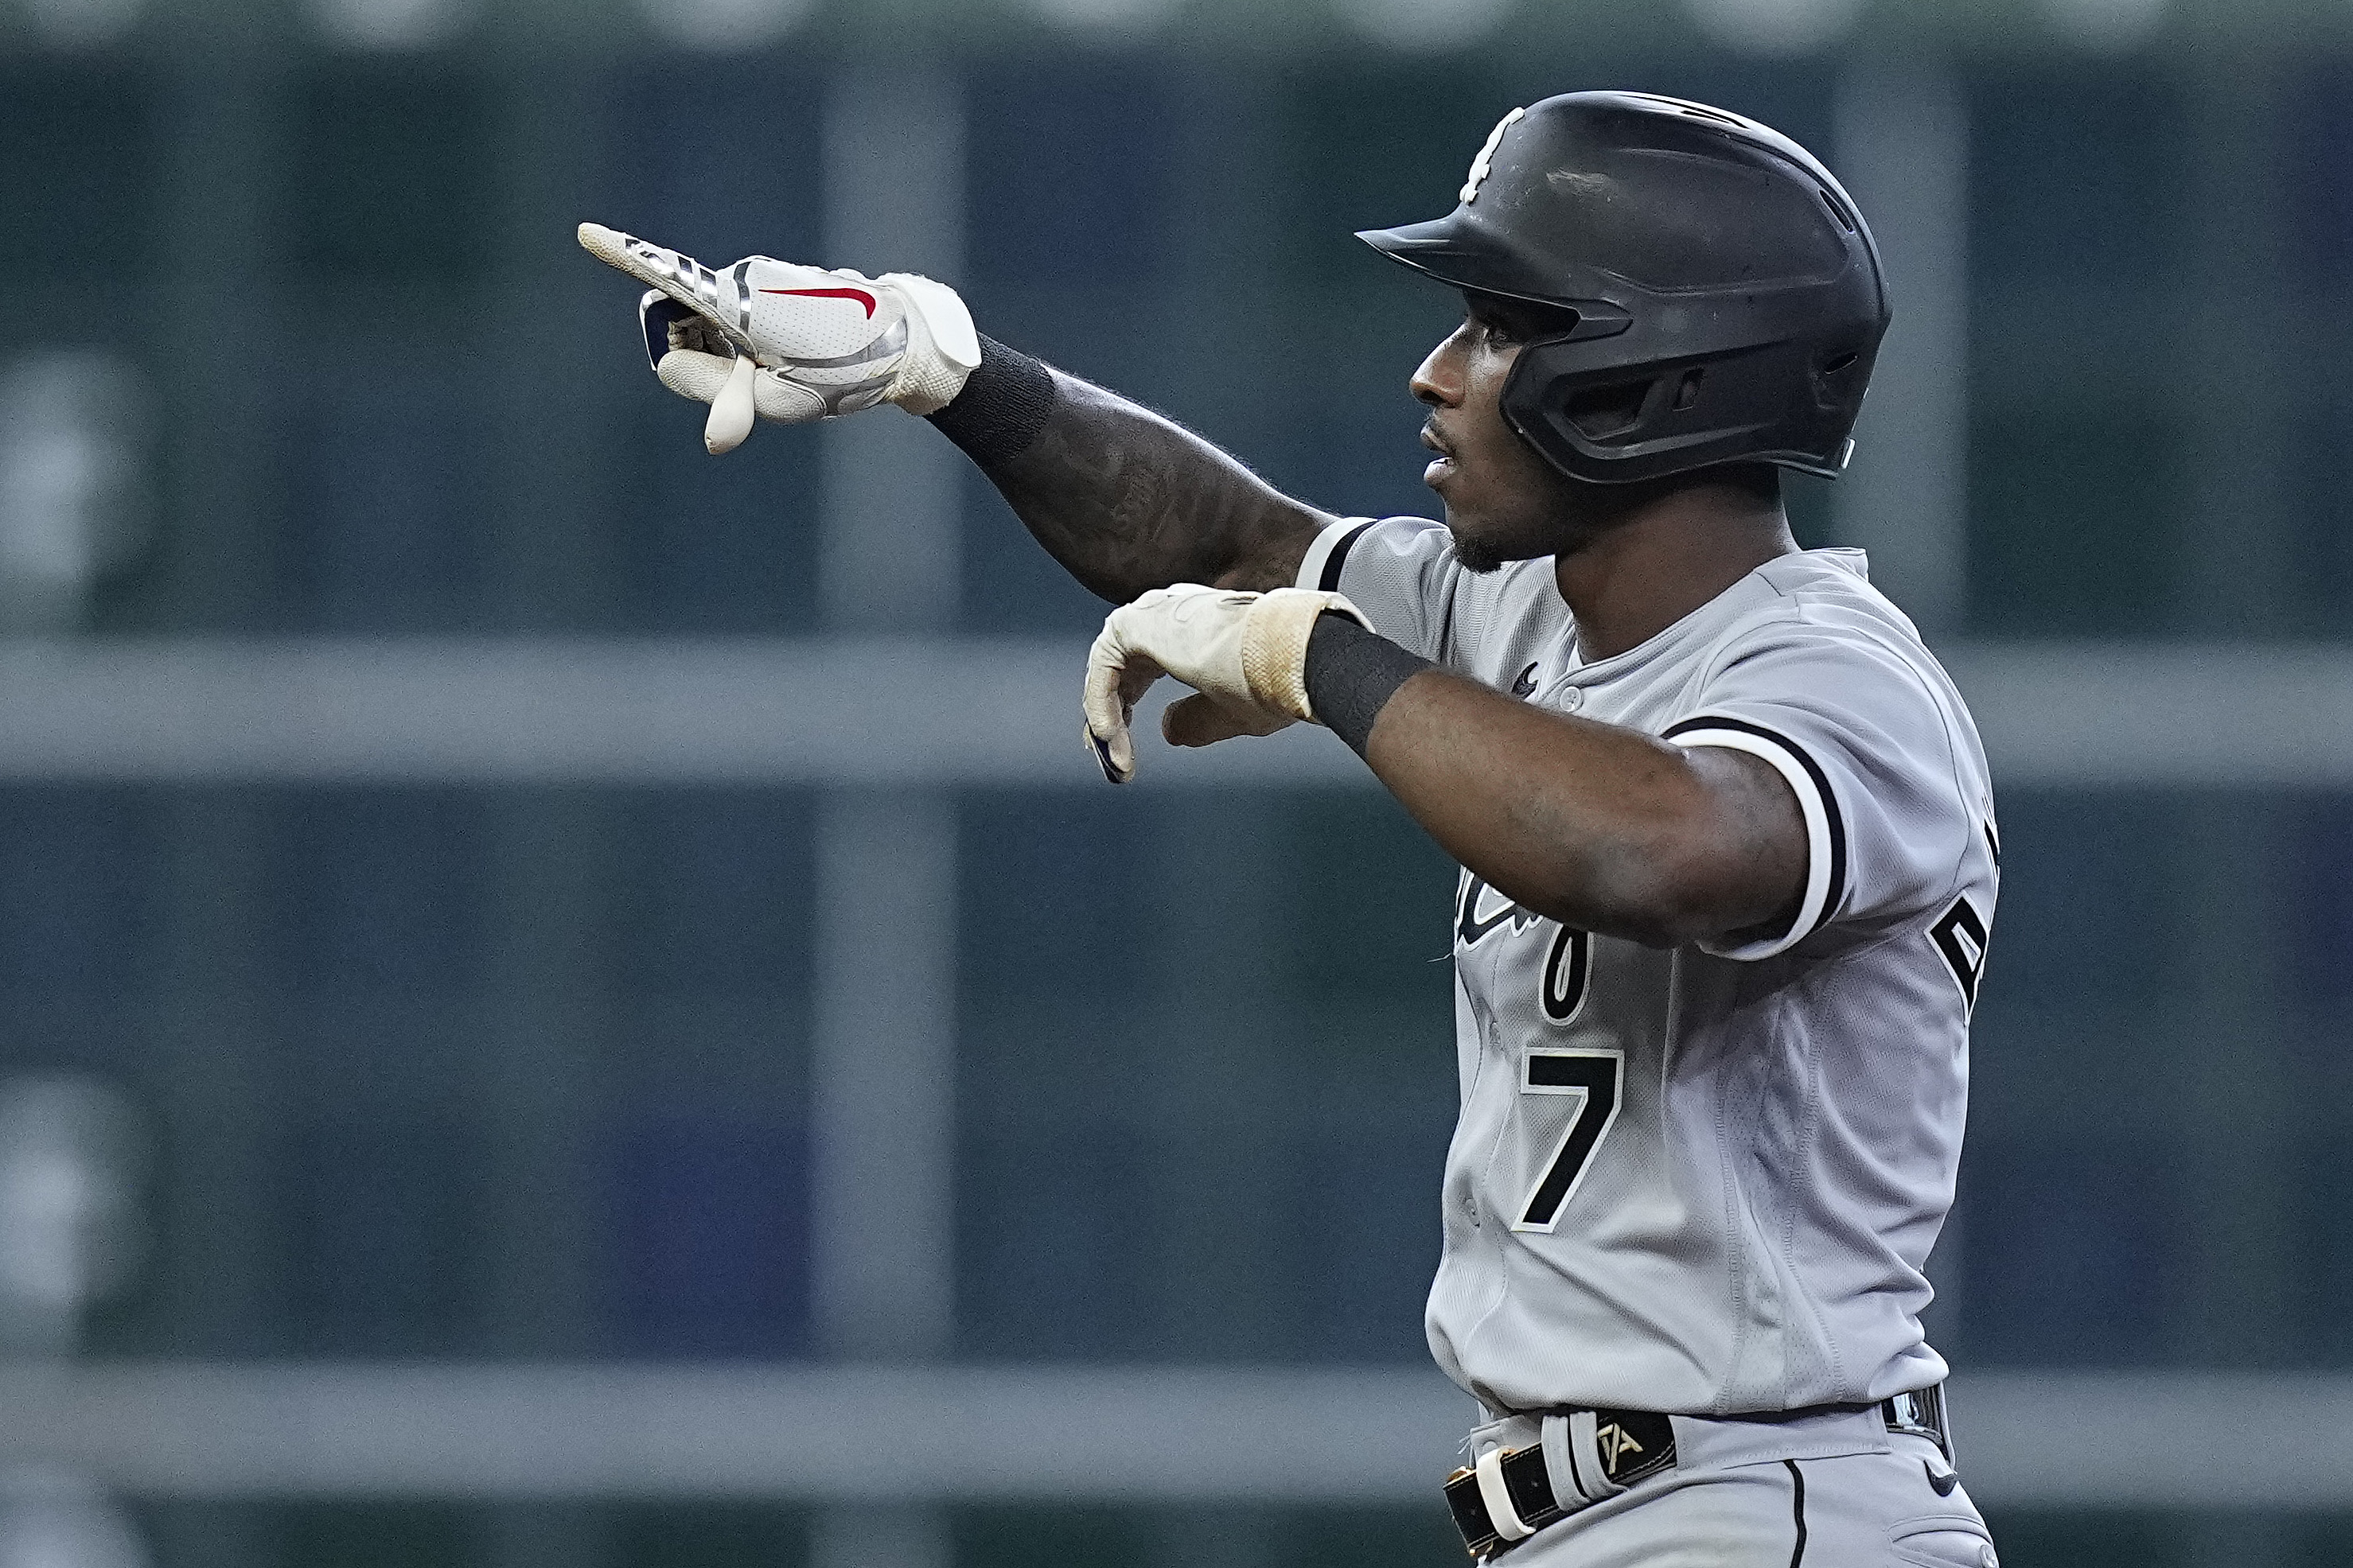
point(1727, 843)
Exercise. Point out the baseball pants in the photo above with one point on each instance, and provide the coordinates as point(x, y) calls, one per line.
point(1837, 1490)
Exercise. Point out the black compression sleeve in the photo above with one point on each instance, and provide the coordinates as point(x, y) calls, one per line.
point(1002, 407)
point(1351, 675)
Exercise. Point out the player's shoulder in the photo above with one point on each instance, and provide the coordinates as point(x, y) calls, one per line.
point(1822, 602)
point(1359, 543)
point(1819, 664)
point(1832, 588)
point(1814, 633)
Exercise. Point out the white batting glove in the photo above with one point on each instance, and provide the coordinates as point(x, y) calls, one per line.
point(1244, 654)
point(792, 343)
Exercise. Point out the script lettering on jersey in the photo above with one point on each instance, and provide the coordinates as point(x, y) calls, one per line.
point(1568, 962)
point(1470, 925)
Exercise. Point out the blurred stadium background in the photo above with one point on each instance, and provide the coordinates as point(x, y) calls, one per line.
point(563, 1002)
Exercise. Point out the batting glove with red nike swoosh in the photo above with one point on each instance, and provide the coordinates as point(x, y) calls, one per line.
point(792, 343)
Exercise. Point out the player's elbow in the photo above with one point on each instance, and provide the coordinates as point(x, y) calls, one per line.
point(1669, 889)
point(1658, 906)
point(1698, 909)
point(1727, 857)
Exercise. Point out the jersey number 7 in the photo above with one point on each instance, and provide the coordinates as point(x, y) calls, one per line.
point(1592, 1080)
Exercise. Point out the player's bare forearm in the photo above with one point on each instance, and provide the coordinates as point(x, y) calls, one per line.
point(1125, 500)
point(1593, 824)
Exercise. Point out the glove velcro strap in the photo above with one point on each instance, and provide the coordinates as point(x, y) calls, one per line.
point(1275, 646)
point(948, 349)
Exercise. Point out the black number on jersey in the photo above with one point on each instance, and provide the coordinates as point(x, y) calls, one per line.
point(1960, 936)
point(1567, 974)
point(1595, 1078)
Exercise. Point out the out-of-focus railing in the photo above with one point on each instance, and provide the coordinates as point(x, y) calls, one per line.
point(903, 1435)
point(958, 710)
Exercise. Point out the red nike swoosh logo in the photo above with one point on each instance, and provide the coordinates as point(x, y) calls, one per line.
point(861, 295)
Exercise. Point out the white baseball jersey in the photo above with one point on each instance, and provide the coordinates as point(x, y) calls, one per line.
point(1705, 1181)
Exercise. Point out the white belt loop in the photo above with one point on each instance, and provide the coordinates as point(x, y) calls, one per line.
point(1499, 1511)
point(1568, 1479)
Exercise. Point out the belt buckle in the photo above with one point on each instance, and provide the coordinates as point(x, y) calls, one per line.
point(1480, 1537)
point(1502, 1500)
point(1921, 1415)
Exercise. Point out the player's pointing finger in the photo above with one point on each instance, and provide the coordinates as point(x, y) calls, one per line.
point(675, 273)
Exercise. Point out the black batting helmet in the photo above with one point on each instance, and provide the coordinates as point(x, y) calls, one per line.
point(1724, 298)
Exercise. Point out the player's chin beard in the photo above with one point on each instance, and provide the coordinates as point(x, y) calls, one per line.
point(1542, 516)
point(1492, 550)
point(1476, 555)
point(1573, 520)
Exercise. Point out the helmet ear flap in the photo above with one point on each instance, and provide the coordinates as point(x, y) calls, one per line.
point(1597, 423)
point(1626, 419)
point(1611, 410)
point(1621, 412)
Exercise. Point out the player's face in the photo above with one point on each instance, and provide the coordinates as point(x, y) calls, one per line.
point(1503, 501)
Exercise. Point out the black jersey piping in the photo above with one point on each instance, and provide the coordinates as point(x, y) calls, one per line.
point(1328, 580)
point(1798, 1510)
point(1835, 893)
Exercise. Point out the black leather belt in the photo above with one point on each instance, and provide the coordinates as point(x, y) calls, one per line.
point(1617, 1448)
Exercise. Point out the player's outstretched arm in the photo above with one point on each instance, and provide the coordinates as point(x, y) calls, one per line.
point(1594, 824)
point(1125, 500)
